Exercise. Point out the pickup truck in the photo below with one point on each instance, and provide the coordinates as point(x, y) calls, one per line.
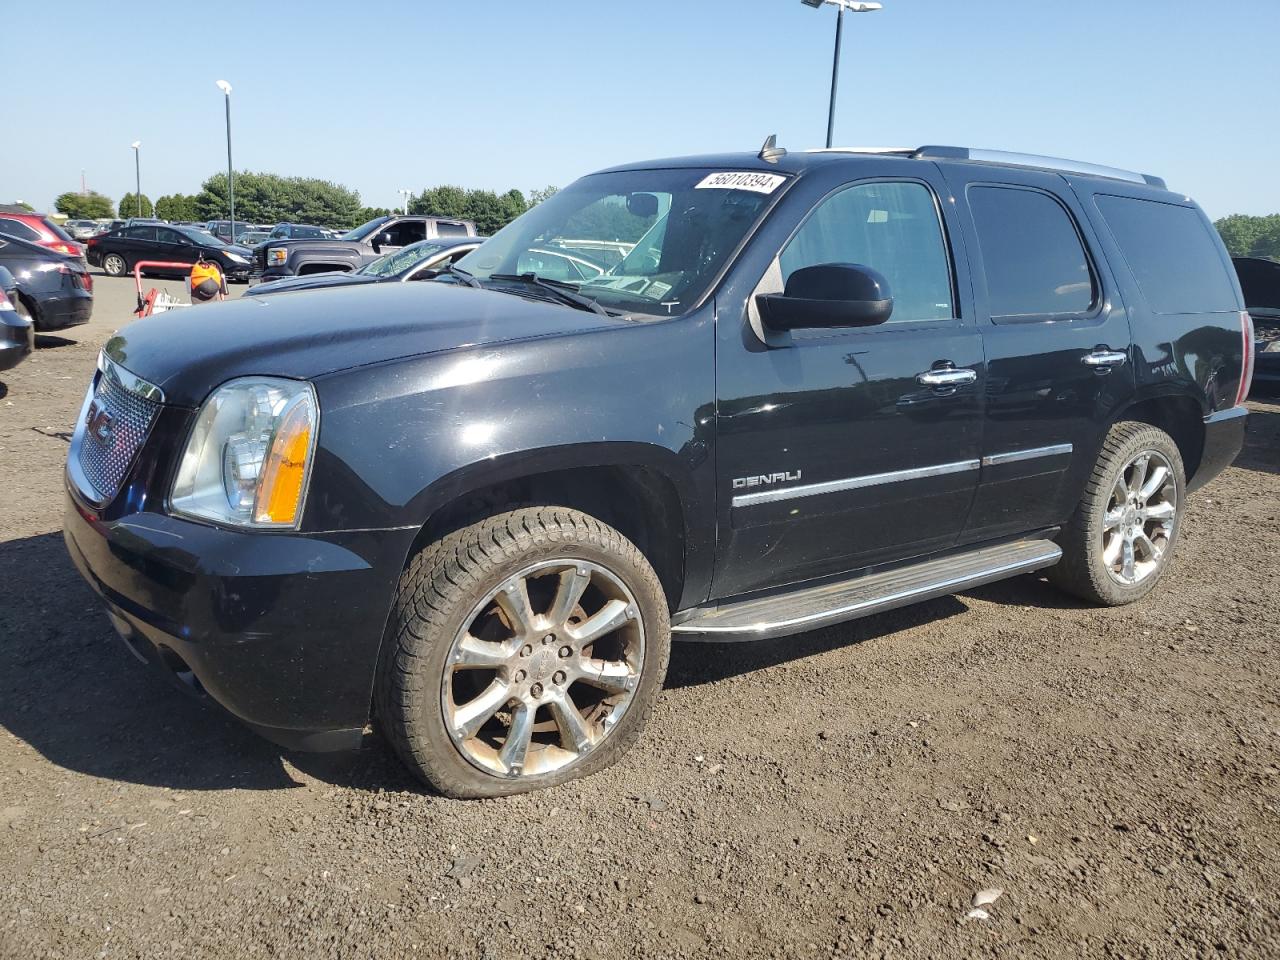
point(289, 258)
point(815, 386)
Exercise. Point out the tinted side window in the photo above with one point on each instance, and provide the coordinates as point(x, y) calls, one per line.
point(1032, 255)
point(16, 228)
point(890, 227)
point(1171, 253)
point(139, 233)
point(446, 229)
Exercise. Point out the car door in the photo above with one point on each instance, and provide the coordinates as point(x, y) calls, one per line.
point(842, 448)
point(138, 243)
point(175, 246)
point(1057, 341)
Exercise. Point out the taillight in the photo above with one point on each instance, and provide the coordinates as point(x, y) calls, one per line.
point(65, 248)
point(1246, 365)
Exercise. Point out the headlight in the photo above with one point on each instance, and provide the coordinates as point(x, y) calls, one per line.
point(277, 255)
point(235, 258)
point(248, 459)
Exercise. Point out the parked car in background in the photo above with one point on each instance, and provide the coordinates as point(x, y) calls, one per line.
point(297, 231)
point(423, 260)
point(289, 257)
point(106, 226)
point(35, 228)
point(80, 229)
point(817, 386)
point(55, 290)
point(253, 237)
point(17, 332)
point(135, 221)
point(1260, 281)
point(117, 252)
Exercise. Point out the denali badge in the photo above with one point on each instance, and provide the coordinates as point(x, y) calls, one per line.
point(766, 479)
point(100, 423)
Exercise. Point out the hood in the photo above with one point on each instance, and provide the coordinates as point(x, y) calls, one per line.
point(332, 278)
point(190, 351)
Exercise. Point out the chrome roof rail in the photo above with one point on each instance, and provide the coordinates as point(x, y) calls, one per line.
point(1032, 160)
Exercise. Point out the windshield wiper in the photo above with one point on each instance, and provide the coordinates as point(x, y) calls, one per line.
point(462, 275)
point(564, 292)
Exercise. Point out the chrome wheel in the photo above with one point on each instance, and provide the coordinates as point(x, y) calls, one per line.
point(543, 668)
point(114, 266)
point(1138, 526)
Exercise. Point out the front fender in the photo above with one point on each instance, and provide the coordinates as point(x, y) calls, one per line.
point(400, 440)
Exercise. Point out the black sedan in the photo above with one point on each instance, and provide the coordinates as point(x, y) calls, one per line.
point(118, 251)
point(54, 289)
point(17, 334)
point(419, 261)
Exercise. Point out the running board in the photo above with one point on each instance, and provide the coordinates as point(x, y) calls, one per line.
point(781, 614)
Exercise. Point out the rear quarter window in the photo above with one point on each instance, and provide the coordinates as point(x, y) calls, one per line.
point(16, 228)
point(1172, 255)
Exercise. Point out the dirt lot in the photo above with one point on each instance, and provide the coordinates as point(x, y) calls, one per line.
point(844, 793)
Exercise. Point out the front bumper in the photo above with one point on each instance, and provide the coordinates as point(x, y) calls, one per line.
point(1223, 441)
point(281, 630)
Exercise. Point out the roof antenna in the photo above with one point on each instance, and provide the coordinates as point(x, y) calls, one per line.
point(770, 152)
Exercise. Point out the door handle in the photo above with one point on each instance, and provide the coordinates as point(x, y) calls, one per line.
point(1102, 359)
point(946, 377)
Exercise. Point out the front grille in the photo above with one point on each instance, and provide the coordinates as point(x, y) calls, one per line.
point(113, 429)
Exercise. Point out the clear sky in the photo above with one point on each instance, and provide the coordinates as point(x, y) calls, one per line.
point(499, 94)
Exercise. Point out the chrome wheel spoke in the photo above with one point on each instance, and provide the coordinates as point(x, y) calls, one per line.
point(472, 715)
point(1120, 491)
point(572, 724)
point(1113, 518)
point(1160, 511)
point(615, 676)
point(1111, 552)
point(1127, 563)
point(513, 600)
point(1139, 475)
point(610, 617)
point(1147, 545)
point(573, 583)
point(1154, 482)
point(516, 748)
point(473, 653)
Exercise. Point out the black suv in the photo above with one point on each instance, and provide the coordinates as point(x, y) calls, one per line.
point(800, 388)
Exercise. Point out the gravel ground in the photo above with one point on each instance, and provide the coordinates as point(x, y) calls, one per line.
point(844, 793)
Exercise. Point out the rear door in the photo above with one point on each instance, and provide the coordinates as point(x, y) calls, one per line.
point(1057, 343)
point(176, 246)
point(138, 243)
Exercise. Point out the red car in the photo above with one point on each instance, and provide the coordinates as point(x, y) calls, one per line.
point(34, 228)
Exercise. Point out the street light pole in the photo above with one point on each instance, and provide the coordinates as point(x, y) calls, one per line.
point(231, 187)
point(406, 194)
point(137, 175)
point(853, 6)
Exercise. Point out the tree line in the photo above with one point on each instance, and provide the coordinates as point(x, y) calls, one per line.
point(1247, 236)
point(271, 198)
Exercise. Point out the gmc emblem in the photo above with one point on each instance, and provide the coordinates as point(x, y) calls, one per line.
point(100, 423)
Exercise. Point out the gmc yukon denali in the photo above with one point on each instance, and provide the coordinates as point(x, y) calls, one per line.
point(797, 389)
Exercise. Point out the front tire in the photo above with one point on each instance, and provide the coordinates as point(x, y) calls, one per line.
point(523, 651)
point(1121, 538)
point(114, 265)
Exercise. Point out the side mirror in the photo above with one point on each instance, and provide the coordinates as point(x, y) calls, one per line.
point(828, 295)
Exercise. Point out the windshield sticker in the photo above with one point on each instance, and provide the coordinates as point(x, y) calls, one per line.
point(738, 180)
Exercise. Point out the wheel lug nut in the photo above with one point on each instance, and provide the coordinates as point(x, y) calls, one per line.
point(549, 638)
point(566, 652)
point(536, 690)
point(559, 677)
point(526, 650)
point(520, 675)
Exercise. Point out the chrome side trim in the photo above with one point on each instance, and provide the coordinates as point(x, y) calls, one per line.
point(1013, 456)
point(129, 381)
point(853, 483)
point(949, 585)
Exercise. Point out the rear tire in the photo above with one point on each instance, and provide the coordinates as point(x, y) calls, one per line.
point(523, 651)
point(1121, 538)
point(114, 265)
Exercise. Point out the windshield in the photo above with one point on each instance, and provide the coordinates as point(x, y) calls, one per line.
point(366, 228)
point(397, 262)
point(644, 241)
point(200, 236)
